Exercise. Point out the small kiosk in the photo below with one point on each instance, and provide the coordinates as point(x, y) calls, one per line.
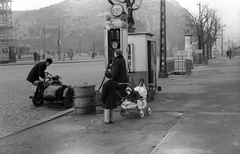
point(141, 58)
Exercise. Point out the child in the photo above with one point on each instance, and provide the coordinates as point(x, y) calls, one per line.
point(109, 97)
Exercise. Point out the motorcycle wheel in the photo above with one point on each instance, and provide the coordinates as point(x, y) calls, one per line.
point(37, 100)
point(67, 103)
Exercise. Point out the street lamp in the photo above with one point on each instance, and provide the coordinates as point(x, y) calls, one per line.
point(80, 36)
point(59, 40)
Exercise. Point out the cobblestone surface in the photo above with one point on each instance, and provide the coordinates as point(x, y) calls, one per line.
point(17, 110)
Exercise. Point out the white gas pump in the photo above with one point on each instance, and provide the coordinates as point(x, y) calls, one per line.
point(115, 33)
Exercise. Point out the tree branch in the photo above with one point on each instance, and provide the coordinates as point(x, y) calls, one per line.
point(132, 3)
point(137, 6)
point(121, 2)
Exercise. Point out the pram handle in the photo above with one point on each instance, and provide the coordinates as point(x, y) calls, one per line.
point(126, 84)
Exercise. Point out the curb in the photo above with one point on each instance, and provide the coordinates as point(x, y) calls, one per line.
point(39, 122)
point(55, 62)
point(45, 120)
point(99, 109)
point(154, 151)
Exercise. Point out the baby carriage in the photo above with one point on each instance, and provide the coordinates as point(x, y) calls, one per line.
point(136, 99)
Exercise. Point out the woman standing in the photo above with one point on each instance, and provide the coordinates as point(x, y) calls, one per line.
point(119, 71)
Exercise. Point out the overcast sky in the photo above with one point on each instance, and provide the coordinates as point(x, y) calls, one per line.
point(229, 10)
point(32, 4)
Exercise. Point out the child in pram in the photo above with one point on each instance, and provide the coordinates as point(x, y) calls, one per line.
point(136, 99)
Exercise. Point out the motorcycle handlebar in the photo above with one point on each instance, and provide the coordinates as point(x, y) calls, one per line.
point(50, 76)
point(47, 74)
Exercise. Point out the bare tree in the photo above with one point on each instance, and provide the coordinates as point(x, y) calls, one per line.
point(206, 27)
point(131, 7)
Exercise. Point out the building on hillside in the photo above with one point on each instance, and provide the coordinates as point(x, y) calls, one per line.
point(6, 30)
point(6, 22)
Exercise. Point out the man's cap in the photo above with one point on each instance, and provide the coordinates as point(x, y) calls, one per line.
point(49, 60)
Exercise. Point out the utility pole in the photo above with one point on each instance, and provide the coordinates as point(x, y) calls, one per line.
point(80, 50)
point(44, 39)
point(203, 46)
point(222, 43)
point(201, 28)
point(59, 40)
point(163, 47)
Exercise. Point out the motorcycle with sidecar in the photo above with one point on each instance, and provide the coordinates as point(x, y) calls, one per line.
point(51, 89)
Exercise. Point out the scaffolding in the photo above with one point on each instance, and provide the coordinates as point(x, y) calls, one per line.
point(6, 22)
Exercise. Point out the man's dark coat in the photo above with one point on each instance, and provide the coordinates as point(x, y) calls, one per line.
point(37, 70)
point(109, 93)
point(119, 71)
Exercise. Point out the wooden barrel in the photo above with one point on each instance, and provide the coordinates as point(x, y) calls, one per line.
point(84, 99)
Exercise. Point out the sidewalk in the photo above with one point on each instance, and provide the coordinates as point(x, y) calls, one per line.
point(195, 114)
point(210, 101)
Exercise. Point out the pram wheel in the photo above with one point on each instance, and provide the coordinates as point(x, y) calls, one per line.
point(122, 112)
point(141, 113)
point(149, 110)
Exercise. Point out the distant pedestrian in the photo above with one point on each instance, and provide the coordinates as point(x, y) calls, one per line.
point(93, 55)
point(38, 57)
point(227, 53)
point(35, 56)
point(14, 57)
point(230, 54)
point(108, 98)
point(64, 56)
point(43, 56)
point(70, 55)
point(233, 54)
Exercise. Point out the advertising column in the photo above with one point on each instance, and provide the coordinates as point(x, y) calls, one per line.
point(188, 46)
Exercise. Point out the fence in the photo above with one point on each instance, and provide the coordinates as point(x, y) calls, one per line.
point(182, 65)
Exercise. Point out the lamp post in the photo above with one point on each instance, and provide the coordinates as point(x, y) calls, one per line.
point(44, 39)
point(59, 40)
point(80, 37)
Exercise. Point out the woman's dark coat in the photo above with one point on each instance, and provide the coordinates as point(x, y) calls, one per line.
point(109, 93)
point(119, 71)
point(37, 70)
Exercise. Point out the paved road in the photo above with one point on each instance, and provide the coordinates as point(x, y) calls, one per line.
point(16, 109)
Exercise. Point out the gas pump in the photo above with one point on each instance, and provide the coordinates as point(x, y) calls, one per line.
point(116, 35)
point(138, 49)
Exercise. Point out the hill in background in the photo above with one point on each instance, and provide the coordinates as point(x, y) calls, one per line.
point(85, 18)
